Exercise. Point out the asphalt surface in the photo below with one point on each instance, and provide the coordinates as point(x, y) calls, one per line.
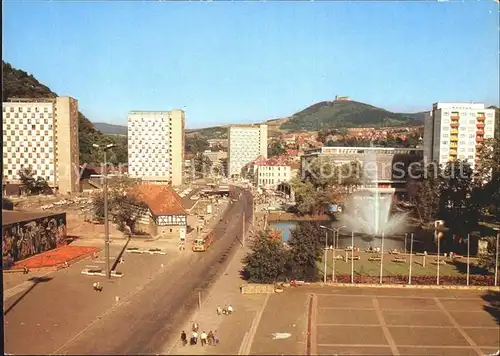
point(145, 323)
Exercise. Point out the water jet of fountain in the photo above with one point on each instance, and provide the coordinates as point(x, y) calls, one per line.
point(369, 210)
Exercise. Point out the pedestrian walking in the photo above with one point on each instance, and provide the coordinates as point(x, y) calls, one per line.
point(230, 309)
point(195, 327)
point(97, 286)
point(183, 338)
point(194, 338)
point(219, 310)
point(215, 338)
point(210, 338)
point(203, 338)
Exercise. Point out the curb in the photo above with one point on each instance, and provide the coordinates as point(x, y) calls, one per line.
point(407, 286)
point(56, 267)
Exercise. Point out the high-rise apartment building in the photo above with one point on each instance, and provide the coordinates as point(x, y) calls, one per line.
point(42, 134)
point(246, 143)
point(156, 146)
point(457, 131)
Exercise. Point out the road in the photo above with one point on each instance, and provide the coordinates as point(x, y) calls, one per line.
point(144, 323)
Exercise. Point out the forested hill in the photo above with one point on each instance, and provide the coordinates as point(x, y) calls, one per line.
point(338, 113)
point(19, 84)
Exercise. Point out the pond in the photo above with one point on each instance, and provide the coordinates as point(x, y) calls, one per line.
point(345, 238)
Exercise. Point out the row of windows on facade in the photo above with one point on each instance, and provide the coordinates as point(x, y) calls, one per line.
point(34, 135)
point(462, 142)
point(15, 141)
point(467, 113)
point(468, 128)
point(470, 122)
point(21, 109)
point(135, 120)
point(26, 163)
point(36, 121)
point(268, 174)
point(25, 115)
point(30, 155)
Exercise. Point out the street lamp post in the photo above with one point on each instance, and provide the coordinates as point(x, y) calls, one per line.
point(106, 219)
point(335, 233)
point(326, 248)
point(496, 257)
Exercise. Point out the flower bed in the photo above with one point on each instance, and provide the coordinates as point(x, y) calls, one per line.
point(474, 280)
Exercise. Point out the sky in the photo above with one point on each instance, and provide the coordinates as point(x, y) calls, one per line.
point(245, 61)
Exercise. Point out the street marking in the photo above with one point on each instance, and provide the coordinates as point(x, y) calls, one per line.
point(243, 343)
point(114, 307)
point(387, 334)
point(408, 326)
point(458, 327)
point(253, 328)
point(411, 346)
point(396, 296)
point(280, 336)
point(312, 336)
point(400, 309)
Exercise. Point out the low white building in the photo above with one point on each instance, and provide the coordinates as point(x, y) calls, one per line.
point(267, 173)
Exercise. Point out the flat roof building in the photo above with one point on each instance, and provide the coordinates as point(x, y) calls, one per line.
point(457, 131)
point(156, 146)
point(246, 143)
point(42, 134)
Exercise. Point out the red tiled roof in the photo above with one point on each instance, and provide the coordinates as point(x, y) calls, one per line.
point(160, 198)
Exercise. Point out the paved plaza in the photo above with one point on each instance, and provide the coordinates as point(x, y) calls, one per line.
point(364, 321)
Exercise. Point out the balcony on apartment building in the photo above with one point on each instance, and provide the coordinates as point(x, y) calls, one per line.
point(454, 132)
point(480, 118)
point(480, 132)
point(453, 145)
point(479, 139)
point(480, 125)
point(454, 138)
point(455, 118)
point(453, 153)
point(454, 125)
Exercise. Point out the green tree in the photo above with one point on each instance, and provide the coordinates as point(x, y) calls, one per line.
point(276, 148)
point(457, 206)
point(32, 184)
point(487, 260)
point(202, 165)
point(195, 144)
point(306, 247)
point(424, 191)
point(267, 259)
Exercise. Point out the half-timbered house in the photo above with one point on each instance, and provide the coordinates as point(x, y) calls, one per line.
point(165, 216)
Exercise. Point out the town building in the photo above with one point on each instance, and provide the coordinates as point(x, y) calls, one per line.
point(267, 173)
point(165, 216)
point(156, 146)
point(383, 168)
point(42, 134)
point(218, 159)
point(246, 143)
point(457, 131)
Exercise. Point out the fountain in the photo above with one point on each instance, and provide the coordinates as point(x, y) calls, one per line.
point(369, 210)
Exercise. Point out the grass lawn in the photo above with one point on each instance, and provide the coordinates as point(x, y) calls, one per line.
point(372, 268)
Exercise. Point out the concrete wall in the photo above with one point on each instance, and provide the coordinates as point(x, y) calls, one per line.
point(67, 158)
point(257, 288)
point(177, 136)
point(24, 239)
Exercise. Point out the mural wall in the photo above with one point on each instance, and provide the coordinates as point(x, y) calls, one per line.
point(27, 238)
